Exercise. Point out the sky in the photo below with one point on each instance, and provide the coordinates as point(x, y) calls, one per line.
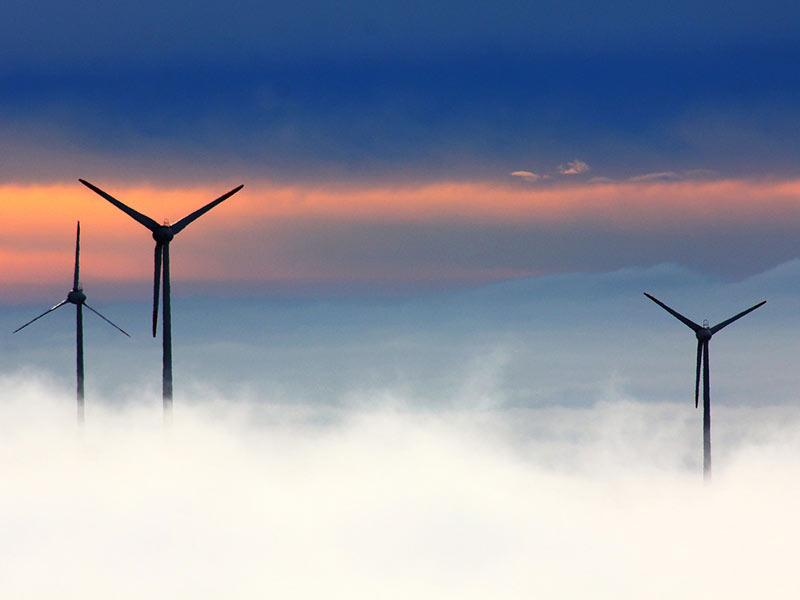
point(402, 145)
point(412, 354)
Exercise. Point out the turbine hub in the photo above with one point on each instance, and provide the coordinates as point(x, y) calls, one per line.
point(163, 234)
point(703, 334)
point(76, 297)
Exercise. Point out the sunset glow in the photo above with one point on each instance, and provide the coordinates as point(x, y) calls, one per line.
point(265, 219)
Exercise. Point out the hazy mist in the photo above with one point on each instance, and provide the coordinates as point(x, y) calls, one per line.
point(529, 438)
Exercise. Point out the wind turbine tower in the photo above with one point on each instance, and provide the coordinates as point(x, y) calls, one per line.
point(78, 298)
point(163, 234)
point(703, 333)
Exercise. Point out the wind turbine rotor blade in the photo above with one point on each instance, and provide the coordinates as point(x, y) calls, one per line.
point(135, 215)
point(76, 279)
point(200, 212)
point(688, 322)
point(706, 414)
point(59, 305)
point(724, 324)
point(157, 284)
point(697, 378)
point(106, 320)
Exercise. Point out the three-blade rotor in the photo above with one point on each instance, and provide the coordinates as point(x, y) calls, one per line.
point(76, 295)
point(162, 234)
point(703, 335)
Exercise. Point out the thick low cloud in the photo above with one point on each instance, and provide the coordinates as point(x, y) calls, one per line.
point(241, 499)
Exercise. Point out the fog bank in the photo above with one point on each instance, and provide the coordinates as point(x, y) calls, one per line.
point(244, 499)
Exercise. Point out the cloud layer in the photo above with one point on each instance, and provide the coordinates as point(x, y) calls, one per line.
point(241, 500)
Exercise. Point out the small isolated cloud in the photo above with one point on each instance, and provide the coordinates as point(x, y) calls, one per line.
point(526, 175)
point(574, 167)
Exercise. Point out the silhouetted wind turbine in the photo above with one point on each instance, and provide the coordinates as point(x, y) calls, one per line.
point(78, 298)
point(704, 333)
point(163, 235)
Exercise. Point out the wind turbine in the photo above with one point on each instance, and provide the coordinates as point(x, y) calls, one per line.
point(163, 235)
point(703, 333)
point(78, 298)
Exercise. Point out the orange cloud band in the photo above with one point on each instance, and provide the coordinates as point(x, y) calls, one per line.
point(623, 202)
point(38, 221)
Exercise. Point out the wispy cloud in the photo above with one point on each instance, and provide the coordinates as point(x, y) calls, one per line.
point(527, 176)
point(662, 176)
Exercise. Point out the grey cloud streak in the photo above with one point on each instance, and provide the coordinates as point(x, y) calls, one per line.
point(472, 250)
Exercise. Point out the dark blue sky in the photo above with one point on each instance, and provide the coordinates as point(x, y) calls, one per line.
point(151, 33)
point(435, 90)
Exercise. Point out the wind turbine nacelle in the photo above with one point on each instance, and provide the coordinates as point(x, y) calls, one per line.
point(163, 234)
point(703, 334)
point(76, 297)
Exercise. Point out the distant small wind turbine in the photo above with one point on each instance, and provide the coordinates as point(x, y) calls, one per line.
point(78, 298)
point(704, 333)
point(163, 235)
